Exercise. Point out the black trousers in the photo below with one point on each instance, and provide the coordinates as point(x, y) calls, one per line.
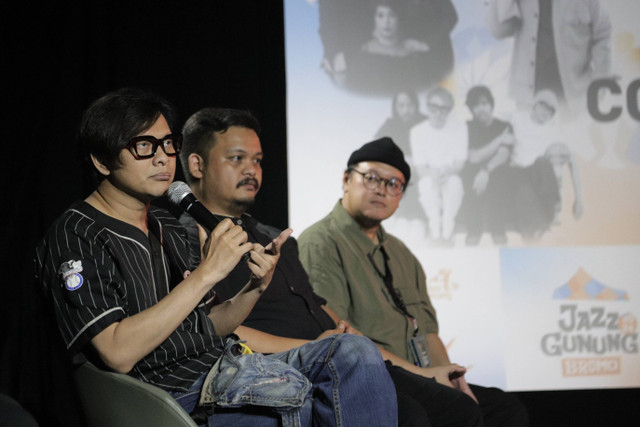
point(424, 402)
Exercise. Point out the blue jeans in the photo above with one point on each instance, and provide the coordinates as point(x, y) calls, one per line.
point(350, 387)
point(241, 417)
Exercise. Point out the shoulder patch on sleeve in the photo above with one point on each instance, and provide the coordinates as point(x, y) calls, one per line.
point(70, 273)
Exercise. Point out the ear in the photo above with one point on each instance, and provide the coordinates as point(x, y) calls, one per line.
point(102, 168)
point(345, 181)
point(196, 165)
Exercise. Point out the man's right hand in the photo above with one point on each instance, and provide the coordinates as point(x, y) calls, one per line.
point(450, 375)
point(343, 327)
point(222, 250)
point(445, 374)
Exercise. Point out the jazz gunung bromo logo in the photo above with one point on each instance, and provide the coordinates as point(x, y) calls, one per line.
point(591, 339)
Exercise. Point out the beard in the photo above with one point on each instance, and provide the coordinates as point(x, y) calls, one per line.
point(240, 206)
point(367, 221)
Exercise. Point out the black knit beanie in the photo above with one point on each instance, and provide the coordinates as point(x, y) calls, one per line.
point(382, 150)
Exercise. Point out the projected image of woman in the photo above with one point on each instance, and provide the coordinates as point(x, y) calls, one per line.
point(386, 39)
point(376, 48)
point(405, 113)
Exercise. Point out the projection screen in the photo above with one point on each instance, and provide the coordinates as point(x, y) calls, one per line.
point(523, 206)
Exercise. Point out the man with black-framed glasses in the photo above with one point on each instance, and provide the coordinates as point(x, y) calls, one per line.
point(131, 295)
point(371, 279)
point(146, 146)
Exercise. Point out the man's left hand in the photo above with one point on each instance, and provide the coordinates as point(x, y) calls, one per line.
point(263, 260)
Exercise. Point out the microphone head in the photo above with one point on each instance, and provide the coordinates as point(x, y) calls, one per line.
point(177, 191)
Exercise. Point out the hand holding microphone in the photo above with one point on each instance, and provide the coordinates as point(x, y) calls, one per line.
point(266, 258)
point(181, 195)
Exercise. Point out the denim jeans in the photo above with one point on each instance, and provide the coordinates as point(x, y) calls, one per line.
point(237, 418)
point(350, 387)
point(239, 380)
point(351, 384)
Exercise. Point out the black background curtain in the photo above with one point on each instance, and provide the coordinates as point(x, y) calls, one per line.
point(57, 57)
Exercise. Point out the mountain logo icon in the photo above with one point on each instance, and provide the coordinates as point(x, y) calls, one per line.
point(582, 286)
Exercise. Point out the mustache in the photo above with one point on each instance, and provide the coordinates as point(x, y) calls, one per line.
point(248, 181)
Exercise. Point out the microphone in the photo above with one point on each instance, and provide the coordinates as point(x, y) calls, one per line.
point(180, 194)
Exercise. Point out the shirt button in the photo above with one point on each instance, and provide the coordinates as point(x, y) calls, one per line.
point(291, 288)
point(239, 222)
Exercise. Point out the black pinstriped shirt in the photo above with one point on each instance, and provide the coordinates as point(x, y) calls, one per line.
point(98, 270)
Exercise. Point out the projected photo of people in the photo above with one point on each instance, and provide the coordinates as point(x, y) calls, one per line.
point(490, 142)
point(376, 48)
point(522, 132)
point(494, 176)
point(535, 176)
point(514, 173)
point(438, 153)
point(560, 46)
point(405, 113)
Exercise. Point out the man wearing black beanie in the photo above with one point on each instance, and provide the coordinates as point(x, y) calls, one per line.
point(382, 150)
point(371, 280)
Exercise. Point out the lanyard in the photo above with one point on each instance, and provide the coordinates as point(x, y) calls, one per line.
point(395, 294)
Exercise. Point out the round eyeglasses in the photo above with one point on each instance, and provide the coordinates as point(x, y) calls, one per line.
point(438, 108)
point(372, 181)
point(145, 146)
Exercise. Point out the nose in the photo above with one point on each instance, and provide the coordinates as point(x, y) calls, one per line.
point(160, 157)
point(381, 188)
point(250, 168)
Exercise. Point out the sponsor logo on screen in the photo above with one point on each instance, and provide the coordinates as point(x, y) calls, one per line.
point(591, 339)
point(441, 286)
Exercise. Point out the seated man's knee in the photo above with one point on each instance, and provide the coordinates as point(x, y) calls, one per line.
point(448, 406)
point(514, 411)
point(357, 348)
point(469, 410)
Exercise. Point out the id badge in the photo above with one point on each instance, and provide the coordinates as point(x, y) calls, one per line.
point(420, 351)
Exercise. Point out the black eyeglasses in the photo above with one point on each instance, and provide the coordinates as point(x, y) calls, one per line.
point(145, 146)
point(437, 108)
point(372, 181)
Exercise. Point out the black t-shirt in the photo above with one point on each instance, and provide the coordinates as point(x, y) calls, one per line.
point(289, 307)
point(479, 136)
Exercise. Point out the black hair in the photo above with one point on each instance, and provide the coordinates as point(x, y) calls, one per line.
point(395, 8)
point(112, 120)
point(476, 93)
point(200, 130)
point(411, 94)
